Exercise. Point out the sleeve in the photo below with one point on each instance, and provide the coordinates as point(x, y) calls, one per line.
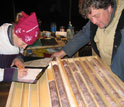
point(78, 41)
point(20, 56)
point(1, 74)
point(8, 74)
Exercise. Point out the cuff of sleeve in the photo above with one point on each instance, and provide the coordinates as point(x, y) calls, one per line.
point(8, 74)
point(21, 59)
point(15, 75)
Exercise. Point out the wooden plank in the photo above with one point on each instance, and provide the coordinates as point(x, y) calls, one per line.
point(43, 91)
point(16, 99)
point(97, 84)
point(25, 96)
point(10, 96)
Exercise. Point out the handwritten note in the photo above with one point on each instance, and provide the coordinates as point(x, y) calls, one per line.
point(31, 75)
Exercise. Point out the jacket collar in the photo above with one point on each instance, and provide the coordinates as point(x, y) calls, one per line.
point(9, 31)
point(114, 12)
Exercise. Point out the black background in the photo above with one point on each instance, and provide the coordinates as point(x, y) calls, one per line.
point(47, 11)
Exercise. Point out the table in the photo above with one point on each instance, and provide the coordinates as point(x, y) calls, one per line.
point(78, 82)
point(61, 42)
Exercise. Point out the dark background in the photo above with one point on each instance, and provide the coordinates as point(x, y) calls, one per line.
point(47, 11)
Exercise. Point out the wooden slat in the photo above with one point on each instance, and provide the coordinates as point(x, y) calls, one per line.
point(94, 71)
point(25, 96)
point(43, 90)
point(17, 95)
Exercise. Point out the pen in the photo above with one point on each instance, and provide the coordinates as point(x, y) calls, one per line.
point(19, 67)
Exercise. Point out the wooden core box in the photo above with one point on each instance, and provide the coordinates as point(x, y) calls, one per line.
point(72, 82)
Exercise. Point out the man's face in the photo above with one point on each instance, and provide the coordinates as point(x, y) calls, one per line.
point(100, 17)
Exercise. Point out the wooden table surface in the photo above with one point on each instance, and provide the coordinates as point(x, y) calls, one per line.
point(60, 43)
point(85, 82)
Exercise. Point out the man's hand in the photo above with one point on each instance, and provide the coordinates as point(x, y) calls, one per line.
point(59, 54)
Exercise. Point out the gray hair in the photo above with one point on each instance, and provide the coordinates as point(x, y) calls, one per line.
point(85, 5)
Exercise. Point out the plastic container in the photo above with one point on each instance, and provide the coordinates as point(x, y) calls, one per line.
point(53, 29)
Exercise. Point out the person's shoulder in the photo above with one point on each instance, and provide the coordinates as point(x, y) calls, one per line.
point(4, 25)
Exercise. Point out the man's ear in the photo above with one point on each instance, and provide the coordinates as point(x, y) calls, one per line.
point(110, 9)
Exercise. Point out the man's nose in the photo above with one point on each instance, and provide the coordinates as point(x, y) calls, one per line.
point(94, 20)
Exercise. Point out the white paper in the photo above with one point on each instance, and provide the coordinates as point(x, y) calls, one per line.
point(38, 63)
point(31, 75)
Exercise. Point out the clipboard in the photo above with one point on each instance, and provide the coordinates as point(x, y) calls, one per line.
point(43, 69)
point(40, 74)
